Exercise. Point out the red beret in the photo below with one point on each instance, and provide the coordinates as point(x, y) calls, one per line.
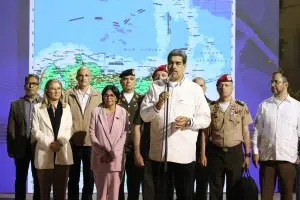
point(224, 78)
point(160, 68)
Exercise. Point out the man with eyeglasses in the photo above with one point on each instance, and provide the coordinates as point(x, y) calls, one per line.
point(19, 143)
point(275, 139)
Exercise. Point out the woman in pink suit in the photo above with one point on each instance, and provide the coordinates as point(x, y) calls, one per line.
point(108, 130)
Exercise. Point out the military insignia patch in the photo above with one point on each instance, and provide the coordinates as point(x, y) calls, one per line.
point(229, 78)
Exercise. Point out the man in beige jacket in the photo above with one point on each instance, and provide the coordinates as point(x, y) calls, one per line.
point(82, 100)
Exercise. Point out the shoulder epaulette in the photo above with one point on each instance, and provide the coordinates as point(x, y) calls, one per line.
point(241, 103)
point(212, 103)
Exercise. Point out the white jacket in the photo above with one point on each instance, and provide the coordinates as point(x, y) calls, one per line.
point(42, 132)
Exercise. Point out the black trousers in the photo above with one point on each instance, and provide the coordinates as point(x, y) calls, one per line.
point(148, 185)
point(201, 176)
point(81, 154)
point(221, 162)
point(135, 176)
point(22, 166)
point(181, 174)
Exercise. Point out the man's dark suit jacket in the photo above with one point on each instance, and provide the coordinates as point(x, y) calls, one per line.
point(17, 139)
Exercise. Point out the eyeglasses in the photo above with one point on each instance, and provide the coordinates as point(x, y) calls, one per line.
point(32, 84)
point(276, 82)
point(109, 95)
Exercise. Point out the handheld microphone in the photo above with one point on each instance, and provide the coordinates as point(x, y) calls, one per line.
point(168, 81)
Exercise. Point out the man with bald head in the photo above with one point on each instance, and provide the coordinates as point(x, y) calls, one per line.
point(82, 100)
point(201, 82)
point(201, 173)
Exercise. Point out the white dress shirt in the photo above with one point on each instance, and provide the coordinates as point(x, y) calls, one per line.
point(83, 98)
point(186, 99)
point(276, 130)
point(128, 96)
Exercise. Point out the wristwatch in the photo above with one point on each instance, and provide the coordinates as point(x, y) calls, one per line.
point(188, 123)
point(248, 155)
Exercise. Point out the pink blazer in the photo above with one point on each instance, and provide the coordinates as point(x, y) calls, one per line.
point(110, 141)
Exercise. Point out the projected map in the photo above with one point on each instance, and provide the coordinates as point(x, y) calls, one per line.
point(109, 36)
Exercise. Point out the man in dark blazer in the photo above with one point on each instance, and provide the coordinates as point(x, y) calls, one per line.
point(201, 173)
point(19, 144)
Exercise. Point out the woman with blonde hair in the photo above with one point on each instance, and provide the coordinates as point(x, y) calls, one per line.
point(51, 128)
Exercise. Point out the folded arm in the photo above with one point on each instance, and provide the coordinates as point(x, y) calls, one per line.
point(64, 139)
point(119, 146)
point(43, 141)
point(148, 107)
point(201, 118)
point(97, 148)
point(10, 137)
point(257, 129)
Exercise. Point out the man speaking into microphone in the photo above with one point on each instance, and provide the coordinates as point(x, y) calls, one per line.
point(180, 105)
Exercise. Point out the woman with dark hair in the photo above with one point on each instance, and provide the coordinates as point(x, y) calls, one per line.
point(51, 128)
point(108, 130)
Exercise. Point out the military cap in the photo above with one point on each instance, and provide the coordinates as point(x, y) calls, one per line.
point(127, 72)
point(160, 68)
point(224, 78)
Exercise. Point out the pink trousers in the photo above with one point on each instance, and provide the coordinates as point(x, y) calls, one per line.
point(108, 185)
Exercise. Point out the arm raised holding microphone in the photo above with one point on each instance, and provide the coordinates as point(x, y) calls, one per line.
point(188, 112)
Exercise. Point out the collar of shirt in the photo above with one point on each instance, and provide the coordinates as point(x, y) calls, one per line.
point(88, 92)
point(175, 84)
point(128, 96)
point(35, 100)
point(288, 99)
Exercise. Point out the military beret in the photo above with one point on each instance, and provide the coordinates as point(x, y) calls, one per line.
point(127, 72)
point(224, 78)
point(160, 68)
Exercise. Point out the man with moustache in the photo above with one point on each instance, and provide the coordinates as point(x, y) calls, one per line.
point(201, 173)
point(223, 142)
point(141, 143)
point(82, 100)
point(188, 112)
point(131, 100)
point(275, 139)
point(19, 144)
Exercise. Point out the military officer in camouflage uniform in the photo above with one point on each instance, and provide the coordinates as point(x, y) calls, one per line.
point(131, 101)
point(224, 141)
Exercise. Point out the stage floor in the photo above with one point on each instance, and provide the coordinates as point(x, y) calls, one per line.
point(29, 197)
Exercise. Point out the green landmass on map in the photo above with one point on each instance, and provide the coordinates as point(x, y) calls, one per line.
point(99, 80)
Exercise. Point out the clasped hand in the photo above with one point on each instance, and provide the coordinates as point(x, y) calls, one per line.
point(107, 158)
point(54, 146)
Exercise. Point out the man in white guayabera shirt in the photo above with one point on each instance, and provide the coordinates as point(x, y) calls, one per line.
point(275, 139)
point(188, 112)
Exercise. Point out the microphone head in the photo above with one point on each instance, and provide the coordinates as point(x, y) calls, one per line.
point(169, 77)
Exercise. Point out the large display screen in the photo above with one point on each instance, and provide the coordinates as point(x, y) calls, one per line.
point(111, 36)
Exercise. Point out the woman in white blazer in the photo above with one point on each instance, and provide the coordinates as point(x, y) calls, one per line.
point(51, 127)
